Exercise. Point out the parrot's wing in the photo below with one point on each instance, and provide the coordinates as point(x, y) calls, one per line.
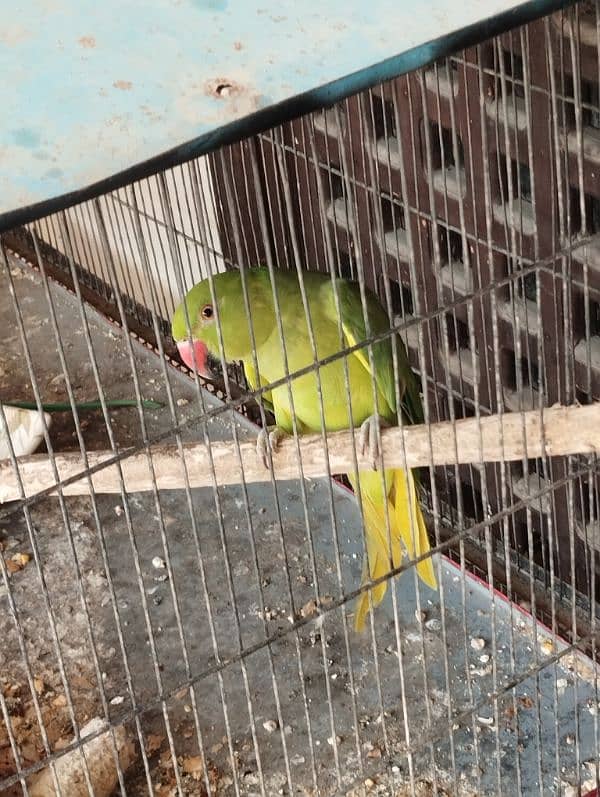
point(255, 382)
point(354, 328)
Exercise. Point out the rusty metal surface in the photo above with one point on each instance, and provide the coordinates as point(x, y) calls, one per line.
point(97, 94)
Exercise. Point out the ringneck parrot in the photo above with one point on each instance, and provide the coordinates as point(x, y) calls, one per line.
point(407, 527)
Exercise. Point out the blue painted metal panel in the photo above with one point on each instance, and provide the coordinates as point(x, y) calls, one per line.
point(95, 94)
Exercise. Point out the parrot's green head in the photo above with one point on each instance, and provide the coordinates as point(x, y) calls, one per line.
point(197, 336)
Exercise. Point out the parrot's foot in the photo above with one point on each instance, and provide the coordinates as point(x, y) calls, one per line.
point(368, 439)
point(268, 441)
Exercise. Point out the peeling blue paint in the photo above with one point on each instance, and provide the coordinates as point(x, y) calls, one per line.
point(108, 103)
point(210, 5)
point(25, 137)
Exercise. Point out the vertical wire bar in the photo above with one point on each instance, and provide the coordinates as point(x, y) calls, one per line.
point(571, 461)
point(237, 238)
point(595, 502)
point(562, 236)
point(294, 418)
point(488, 205)
point(158, 506)
point(122, 275)
point(331, 261)
point(369, 151)
point(548, 521)
point(511, 229)
point(102, 224)
point(121, 211)
point(124, 495)
point(85, 221)
point(231, 170)
point(47, 232)
point(477, 407)
point(420, 343)
point(15, 615)
point(27, 514)
point(518, 336)
point(573, 232)
point(199, 552)
point(438, 269)
point(156, 225)
point(259, 584)
point(354, 240)
point(168, 299)
point(283, 174)
point(200, 201)
point(421, 305)
point(97, 522)
point(308, 227)
point(86, 245)
point(449, 388)
point(250, 524)
point(78, 430)
point(475, 355)
point(145, 265)
point(372, 156)
point(563, 215)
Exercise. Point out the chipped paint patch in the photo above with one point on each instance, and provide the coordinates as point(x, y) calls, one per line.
point(124, 85)
point(12, 34)
point(223, 88)
point(210, 5)
point(26, 137)
point(89, 42)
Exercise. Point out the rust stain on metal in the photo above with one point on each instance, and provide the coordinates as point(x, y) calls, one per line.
point(89, 42)
point(237, 45)
point(124, 85)
point(223, 88)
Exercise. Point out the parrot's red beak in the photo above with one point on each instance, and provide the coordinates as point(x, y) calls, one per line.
point(198, 350)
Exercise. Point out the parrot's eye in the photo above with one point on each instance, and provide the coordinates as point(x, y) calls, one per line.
point(207, 311)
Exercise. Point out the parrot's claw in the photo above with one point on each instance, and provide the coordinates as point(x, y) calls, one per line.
point(268, 441)
point(368, 438)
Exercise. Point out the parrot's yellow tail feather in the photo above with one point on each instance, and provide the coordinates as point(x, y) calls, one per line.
point(407, 530)
point(409, 517)
point(378, 568)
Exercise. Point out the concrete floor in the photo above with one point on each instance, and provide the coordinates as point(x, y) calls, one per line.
point(359, 703)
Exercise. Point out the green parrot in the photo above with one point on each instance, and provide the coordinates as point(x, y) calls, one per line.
point(407, 527)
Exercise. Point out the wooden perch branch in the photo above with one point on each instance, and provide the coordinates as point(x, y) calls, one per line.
point(560, 431)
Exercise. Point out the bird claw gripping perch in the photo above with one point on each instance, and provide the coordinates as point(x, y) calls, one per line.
point(267, 443)
point(369, 437)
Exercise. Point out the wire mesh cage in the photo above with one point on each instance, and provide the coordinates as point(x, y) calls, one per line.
point(180, 617)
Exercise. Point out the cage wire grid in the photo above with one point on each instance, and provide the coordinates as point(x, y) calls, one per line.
point(466, 196)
